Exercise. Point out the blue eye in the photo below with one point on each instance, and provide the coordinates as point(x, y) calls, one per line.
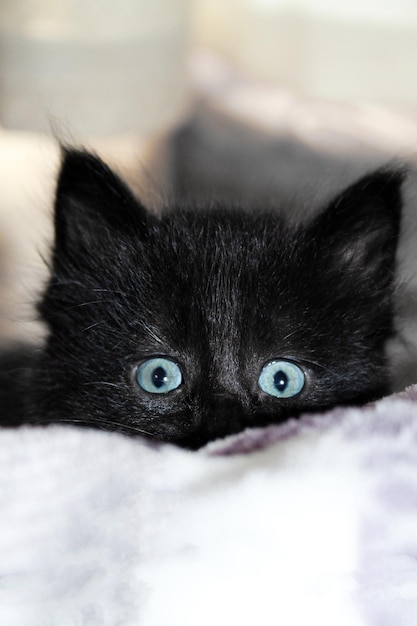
point(281, 379)
point(159, 375)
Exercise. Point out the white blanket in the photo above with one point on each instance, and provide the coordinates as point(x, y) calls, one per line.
point(313, 522)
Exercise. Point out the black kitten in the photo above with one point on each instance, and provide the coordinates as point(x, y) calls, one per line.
point(197, 324)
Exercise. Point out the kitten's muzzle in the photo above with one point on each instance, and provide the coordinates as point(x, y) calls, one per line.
point(226, 414)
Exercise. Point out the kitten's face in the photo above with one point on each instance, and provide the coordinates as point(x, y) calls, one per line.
point(198, 324)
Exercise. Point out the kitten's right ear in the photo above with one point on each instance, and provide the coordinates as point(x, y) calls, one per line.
point(92, 203)
point(359, 230)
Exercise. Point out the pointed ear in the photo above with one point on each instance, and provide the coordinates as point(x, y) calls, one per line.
point(360, 228)
point(92, 203)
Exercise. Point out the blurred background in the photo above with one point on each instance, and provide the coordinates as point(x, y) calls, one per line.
point(261, 100)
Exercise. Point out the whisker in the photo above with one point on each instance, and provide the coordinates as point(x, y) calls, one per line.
point(82, 304)
point(323, 367)
point(98, 423)
point(116, 291)
point(125, 427)
point(84, 330)
point(152, 333)
point(293, 332)
point(101, 382)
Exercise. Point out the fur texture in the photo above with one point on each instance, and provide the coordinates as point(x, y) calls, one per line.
point(220, 291)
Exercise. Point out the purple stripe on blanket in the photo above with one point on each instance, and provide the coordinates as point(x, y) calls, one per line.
point(354, 422)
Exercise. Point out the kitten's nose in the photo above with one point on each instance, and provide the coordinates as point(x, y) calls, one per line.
point(226, 415)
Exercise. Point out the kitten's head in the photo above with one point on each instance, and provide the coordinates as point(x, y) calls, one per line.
point(196, 324)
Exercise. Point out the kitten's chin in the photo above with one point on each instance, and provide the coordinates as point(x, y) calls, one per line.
point(198, 441)
point(199, 437)
point(216, 430)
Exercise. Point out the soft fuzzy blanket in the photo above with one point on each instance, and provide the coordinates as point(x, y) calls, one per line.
point(311, 522)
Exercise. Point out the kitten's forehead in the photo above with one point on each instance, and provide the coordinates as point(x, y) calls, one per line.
point(217, 277)
point(219, 254)
point(226, 239)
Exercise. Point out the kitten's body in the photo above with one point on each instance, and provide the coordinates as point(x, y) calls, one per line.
point(221, 293)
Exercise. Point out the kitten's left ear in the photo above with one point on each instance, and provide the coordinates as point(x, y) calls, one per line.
point(360, 227)
point(92, 203)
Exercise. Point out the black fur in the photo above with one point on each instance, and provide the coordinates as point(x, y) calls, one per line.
point(222, 292)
